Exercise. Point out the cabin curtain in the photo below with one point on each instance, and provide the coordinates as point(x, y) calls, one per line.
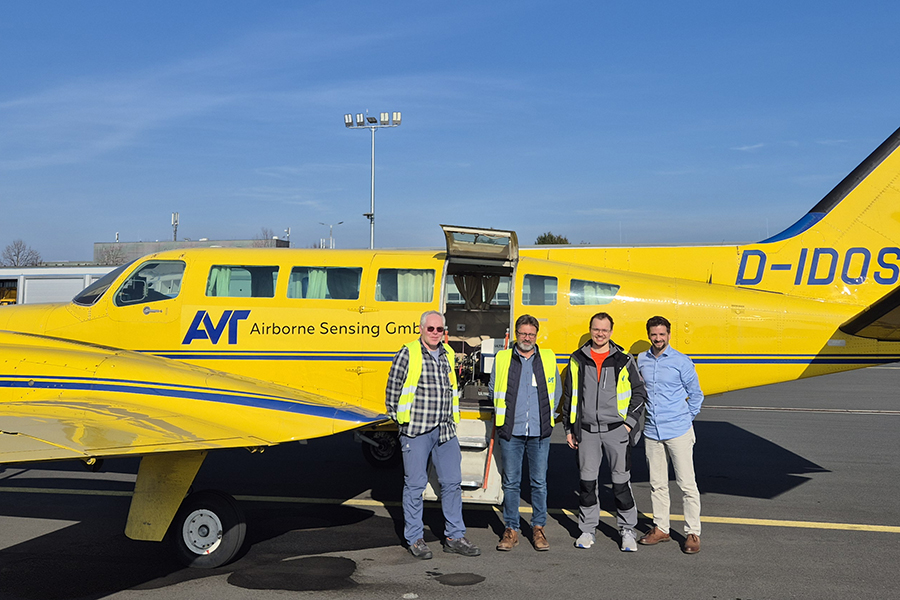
point(415, 285)
point(490, 284)
point(219, 281)
point(317, 287)
point(469, 287)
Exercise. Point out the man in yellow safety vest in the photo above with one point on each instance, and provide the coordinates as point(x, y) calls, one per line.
point(524, 386)
point(422, 396)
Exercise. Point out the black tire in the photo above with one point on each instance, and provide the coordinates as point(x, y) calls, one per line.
point(387, 454)
point(208, 530)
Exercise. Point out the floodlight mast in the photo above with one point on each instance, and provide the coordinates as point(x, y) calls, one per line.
point(330, 227)
point(365, 121)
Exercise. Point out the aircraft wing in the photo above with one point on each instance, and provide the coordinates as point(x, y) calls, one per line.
point(64, 400)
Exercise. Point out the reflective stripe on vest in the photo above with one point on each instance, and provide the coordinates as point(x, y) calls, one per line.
point(623, 392)
point(501, 380)
point(414, 373)
point(576, 385)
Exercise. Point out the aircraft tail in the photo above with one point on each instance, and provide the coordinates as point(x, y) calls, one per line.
point(846, 249)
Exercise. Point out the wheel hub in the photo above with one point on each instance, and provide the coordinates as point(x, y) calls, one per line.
point(202, 531)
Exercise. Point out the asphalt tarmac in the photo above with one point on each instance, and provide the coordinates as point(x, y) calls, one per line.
point(799, 484)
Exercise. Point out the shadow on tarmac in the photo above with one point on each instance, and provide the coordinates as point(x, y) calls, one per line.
point(285, 540)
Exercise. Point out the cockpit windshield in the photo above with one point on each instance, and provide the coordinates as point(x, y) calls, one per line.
point(89, 295)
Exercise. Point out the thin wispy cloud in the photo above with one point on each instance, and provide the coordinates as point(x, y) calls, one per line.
point(750, 148)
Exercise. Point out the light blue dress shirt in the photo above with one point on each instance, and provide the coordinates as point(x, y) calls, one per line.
point(673, 393)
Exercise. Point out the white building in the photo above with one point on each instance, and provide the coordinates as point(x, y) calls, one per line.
point(32, 285)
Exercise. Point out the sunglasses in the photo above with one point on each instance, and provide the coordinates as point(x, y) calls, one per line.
point(433, 329)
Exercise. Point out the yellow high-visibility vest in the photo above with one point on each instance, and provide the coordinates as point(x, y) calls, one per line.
point(501, 380)
point(414, 372)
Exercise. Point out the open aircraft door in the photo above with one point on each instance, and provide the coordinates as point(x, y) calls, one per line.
point(477, 292)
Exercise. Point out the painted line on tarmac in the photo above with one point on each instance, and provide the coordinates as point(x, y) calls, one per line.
point(65, 491)
point(354, 502)
point(361, 502)
point(843, 411)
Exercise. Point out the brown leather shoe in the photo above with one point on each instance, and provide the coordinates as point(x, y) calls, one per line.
point(509, 540)
point(691, 544)
point(539, 539)
point(655, 536)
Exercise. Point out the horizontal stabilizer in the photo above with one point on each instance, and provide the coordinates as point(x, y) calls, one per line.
point(880, 321)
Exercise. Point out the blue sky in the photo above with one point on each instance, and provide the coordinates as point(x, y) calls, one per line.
point(634, 123)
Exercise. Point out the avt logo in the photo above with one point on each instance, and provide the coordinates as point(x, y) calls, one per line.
point(823, 265)
point(203, 328)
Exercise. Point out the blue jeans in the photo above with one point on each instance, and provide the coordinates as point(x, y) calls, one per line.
point(538, 452)
point(447, 459)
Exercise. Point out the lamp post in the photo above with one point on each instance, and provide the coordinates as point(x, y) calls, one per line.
point(364, 121)
point(330, 233)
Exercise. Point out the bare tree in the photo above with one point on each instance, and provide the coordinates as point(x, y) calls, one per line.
point(262, 239)
point(112, 255)
point(20, 254)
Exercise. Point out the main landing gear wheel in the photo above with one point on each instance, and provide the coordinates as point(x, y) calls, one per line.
point(208, 530)
point(386, 455)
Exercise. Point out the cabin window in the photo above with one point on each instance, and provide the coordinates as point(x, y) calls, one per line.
point(405, 285)
point(325, 283)
point(591, 293)
point(233, 281)
point(151, 282)
point(539, 290)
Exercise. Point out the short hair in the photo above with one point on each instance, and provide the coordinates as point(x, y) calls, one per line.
point(657, 321)
point(602, 315)
point(527, 320)
point(427, 314)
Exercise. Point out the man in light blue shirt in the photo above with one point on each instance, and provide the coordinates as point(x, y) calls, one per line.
point(673, 400)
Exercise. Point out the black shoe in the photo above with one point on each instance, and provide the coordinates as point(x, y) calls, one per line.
point(420, 550)
point(461, 546)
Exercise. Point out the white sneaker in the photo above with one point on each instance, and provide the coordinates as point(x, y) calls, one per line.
point(586, 540)
point(629, 544)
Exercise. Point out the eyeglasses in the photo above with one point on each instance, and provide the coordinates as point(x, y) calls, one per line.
point(519, 334)
point(433, 329)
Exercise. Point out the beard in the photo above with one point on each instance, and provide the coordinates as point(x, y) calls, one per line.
point(525, 346)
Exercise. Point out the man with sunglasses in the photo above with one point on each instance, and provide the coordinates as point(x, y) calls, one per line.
point(523, 384)
point(422, 396)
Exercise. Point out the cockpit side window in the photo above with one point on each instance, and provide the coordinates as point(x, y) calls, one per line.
point(89, 295)
point(240, 281)
point(151, 282)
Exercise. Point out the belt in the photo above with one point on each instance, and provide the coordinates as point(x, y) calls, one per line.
point(609, 426)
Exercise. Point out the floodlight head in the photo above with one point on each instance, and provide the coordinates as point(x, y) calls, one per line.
point(385, 119)
point(359, 120)
point(348, 120)
point(396, 118)
point(371, 120)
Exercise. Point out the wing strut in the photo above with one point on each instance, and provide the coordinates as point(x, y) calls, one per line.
point(162, 483)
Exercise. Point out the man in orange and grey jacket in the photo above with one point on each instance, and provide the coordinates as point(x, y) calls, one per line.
point(602, 410)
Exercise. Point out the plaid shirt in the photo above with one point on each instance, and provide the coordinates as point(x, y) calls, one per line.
point(433, 404)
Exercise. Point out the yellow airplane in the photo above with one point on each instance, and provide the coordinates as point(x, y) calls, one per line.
point(212, 348)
